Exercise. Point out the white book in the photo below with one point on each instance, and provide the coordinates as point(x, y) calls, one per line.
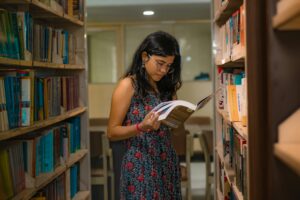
point(174, 113)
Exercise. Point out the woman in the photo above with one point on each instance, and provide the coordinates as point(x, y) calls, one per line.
point(150, 168)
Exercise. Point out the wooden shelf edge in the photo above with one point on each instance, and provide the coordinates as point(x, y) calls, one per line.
point(289, 154)
point(288, 17)
point(229, 173)
point(243, 131)
point(237, 192)
point(77, 156)
point(48, 65)
point(226, 10)
point(46, 8)
point(219, 194)
point(82, 195)
point(218, 149)
point(73, 20)
point(75, 66)
point(15, 62)
point(15, 1)
point(41, 124)
point(44, 179)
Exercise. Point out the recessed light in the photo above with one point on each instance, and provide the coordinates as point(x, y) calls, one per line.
point(148, 12)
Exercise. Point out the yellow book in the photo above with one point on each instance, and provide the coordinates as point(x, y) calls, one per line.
point(6, 174)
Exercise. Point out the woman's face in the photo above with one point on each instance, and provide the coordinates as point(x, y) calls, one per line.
point(157, 66)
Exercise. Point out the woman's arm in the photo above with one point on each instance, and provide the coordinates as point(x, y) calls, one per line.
point(120, 103)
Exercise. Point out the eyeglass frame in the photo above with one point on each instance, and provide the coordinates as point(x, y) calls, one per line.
point(159, 66)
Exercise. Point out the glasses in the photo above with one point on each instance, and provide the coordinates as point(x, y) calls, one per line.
point(161, 64)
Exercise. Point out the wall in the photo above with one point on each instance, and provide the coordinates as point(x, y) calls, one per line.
point(193, 91)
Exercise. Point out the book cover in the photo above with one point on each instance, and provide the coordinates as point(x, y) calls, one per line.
point(174, 113)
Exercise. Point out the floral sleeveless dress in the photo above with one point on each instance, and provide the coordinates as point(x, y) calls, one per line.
point(150, 167)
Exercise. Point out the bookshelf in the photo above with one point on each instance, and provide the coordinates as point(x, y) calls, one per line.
point(287, 16)
point(231, 128)
point(55, 85)
point(272, 71)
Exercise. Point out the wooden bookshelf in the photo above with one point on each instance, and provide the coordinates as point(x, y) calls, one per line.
point(82, 195)
point(44, 11)
point(48, 65)
point(288, 15)
point(226, 10)
point(219, 195)
point(15, 62)
point(15, 1)
point(229, 63)
point(75, 157)
point(73, 66)
point(44, 179)
point(53, 15)
point(41, 124)
point(231, 66)
point(237, 193)
point(242, 130)
point(73, 20)
point(289, 154)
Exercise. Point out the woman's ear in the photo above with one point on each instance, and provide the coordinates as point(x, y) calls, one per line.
point(145, 56)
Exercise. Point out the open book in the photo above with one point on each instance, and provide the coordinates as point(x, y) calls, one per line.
point(174, 113)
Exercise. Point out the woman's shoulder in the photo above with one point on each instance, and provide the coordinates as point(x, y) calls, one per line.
point(126, 84)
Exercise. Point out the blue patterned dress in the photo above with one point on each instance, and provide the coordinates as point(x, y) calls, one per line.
point(150, 168)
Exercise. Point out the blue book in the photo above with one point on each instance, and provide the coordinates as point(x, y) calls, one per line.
point(48, 159)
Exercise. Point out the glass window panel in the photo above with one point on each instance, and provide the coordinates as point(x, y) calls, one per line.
point(195, 44)
point(102, 56)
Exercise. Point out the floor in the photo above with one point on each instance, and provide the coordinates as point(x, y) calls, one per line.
point(198, 180)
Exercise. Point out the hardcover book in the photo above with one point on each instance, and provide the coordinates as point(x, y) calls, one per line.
point(174, 113)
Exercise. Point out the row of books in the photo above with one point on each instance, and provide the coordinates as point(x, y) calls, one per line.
point(233, 99)
point(231, 37)
point(26, 97)
point(235, 154)
point(17, 30)
point(63, 187)
point(36, 154)
point(73, 8)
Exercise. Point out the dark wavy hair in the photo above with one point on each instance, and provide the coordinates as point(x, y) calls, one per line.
point(161, 44)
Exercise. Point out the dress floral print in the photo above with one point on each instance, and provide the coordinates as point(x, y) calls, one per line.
point(150, 168)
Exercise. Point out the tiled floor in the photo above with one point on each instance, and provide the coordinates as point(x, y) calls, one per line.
point(198, 180)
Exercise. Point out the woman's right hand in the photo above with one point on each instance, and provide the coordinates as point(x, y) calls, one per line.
point(150, 122)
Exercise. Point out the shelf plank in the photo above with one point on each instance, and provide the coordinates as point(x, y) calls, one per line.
point(15, 62)
point(288, 15)
point(226, 10)
point(237, 192)
point(82, 195)
point(74, 66)
point(289, 154)
point(44, 179)
point(73, 20)
point(219, 194)
point(218, 148)
point(77, 156)
point(41, 124)
point(243, 131)
point(15, 1)
point(229, 173)
point(238, 54)
point(44, 10)
point(48, 65)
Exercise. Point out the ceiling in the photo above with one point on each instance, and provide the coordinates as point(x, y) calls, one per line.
point(116, 11)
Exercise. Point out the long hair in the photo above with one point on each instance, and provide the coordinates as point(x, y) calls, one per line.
point(161, 44)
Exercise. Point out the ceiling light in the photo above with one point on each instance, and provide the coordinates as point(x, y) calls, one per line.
point(148, 12)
